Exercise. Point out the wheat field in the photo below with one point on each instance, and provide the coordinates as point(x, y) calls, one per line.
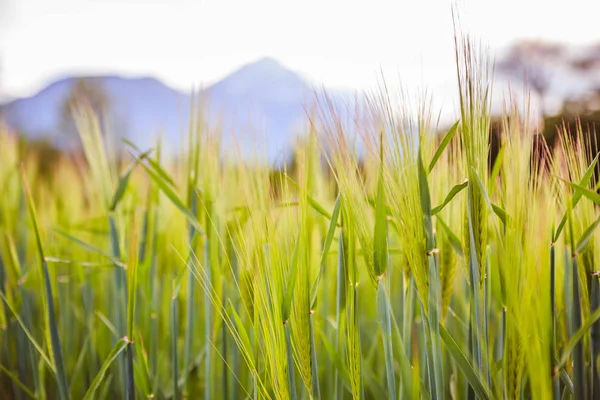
point(417, 270)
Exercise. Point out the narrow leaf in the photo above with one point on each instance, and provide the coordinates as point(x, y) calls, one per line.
point(496, 209)
point(452, 238)
point(386, 332)
point(496, 168)
point(35, 344)
point(132, 267)
point(119, 347)
point(241, 332)
point(290, 363)
point(590, 194)
point(91, 248)
point(16, 380)
point(586, 236)
point(123, 181)
point(291, 284)
point(500, 212)
point(380, 254)
point(577, 336)
point(311, 200)
point(465, 366)
point(61, 376)
point(153, 163)
point(453, 192)
point(577, 195)
point(443, 144)
point(326, 247)
point(424, 189)
point(170, 193)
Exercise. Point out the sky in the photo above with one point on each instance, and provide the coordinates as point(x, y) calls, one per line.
point(338, 43)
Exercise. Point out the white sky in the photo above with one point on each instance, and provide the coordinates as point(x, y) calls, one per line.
point(339, 43)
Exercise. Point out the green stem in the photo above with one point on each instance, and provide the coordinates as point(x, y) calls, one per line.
point(578, 359)
point(553, 353)
point(340, 306)
point(207, 324)
point(316, 390)
point(595, 342)
point(119, 298)
point(174, 335)
point(386, 333)
point(290, 362)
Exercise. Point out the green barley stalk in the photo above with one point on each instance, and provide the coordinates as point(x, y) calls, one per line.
point(434, 306)
point(553, 350)
point(473, 72)
point(191, 300)
point(341, 295)
point(51, 328)
point(578, 354)
point(380, 259)
point(174, 335)
point(132, 278)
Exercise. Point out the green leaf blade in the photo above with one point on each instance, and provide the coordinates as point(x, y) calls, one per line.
point(119, 347)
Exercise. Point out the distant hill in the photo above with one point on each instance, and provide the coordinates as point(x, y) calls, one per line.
point(262, 101)
point(143, 104)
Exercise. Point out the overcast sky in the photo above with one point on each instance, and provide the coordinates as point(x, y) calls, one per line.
point(339, 43)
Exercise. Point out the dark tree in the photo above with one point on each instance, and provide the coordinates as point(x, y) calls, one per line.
point(535, 63)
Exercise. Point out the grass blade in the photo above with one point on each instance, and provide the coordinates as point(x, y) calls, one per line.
point(208, 323)
point(121, 346)
point(326, 247)
point(553, 352)
point(595, 336)
point(578, 358)
point(16, 380)
point(435, 368)
point(120, 298)
point(586, 236)
point(577, 195)
point(132, 267)
point(291, 284)
point(123, 182)
point(170, 193)
point(444, 143)
point(316, 389)
point(452, 238)
point(92, 248)
point(496, 168)
point(380, 253)
point(174, 335)
point(456, 189)
point(311, 201)
point(290, 362)
point(380, 261)
point(341, 293)
point(577, 337)
point(386, 331)
point(131, 300)
point(191, 295)
point(153, 163)
point(475, 309)
point(500, 212)
point(35, 344)
point(465, 366)
point(55, 344)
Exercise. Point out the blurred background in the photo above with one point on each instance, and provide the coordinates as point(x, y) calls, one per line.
point(254, 65)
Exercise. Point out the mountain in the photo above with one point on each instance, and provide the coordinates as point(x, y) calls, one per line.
point(262, 102)
point(141, 106)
